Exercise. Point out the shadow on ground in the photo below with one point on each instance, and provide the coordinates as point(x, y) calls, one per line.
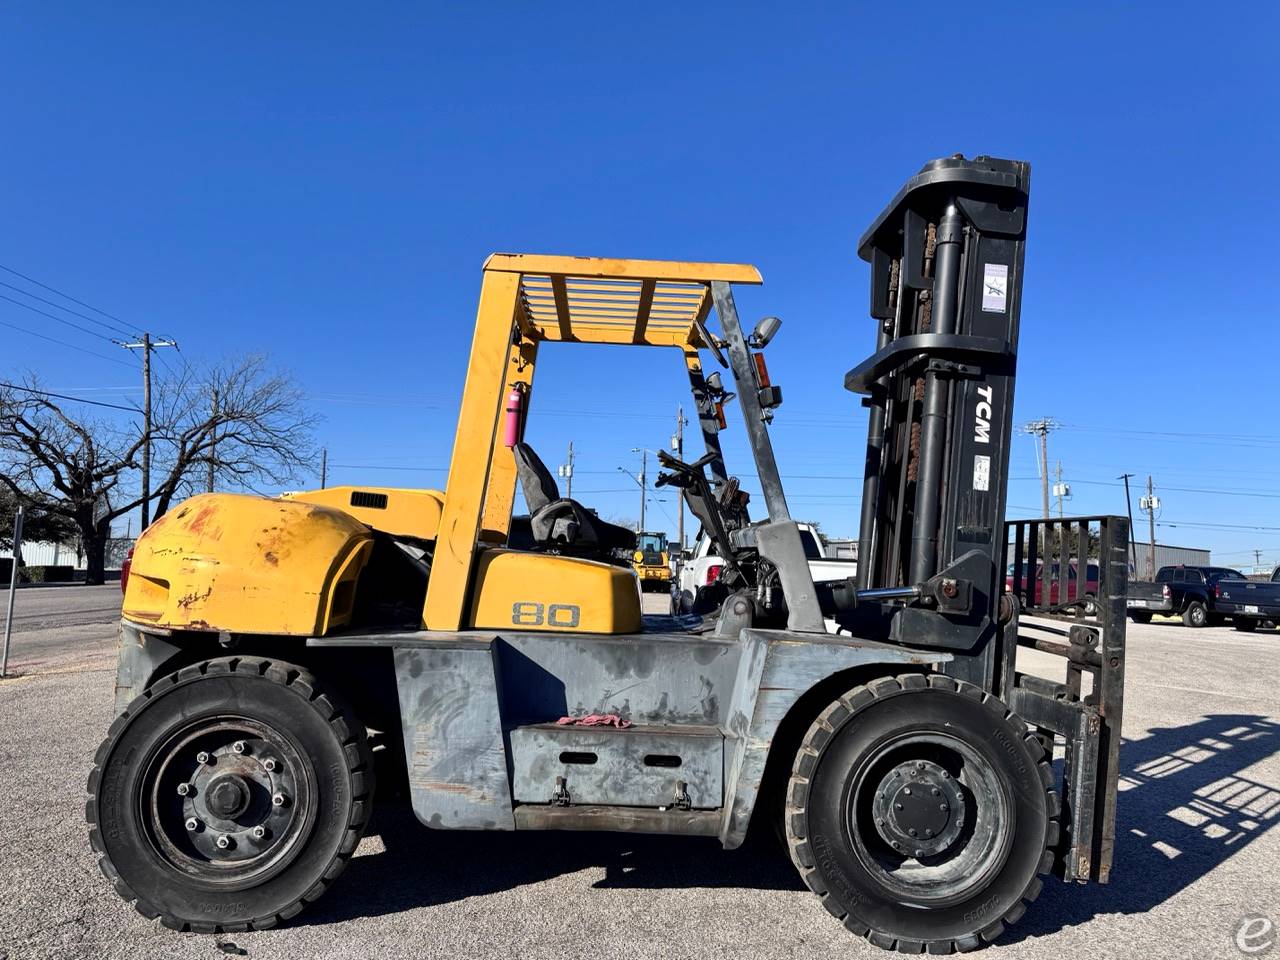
point(1185, 807)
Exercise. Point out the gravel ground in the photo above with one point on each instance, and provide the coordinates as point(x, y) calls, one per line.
point(1196, 851)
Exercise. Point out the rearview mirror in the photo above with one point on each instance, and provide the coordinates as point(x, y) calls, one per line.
point(764, 332)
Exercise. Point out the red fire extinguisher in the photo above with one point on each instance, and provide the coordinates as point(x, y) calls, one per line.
point(513, 422)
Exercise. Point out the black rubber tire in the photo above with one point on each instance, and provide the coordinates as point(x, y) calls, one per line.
point(1140, 617)
point(280, 694)
point(1196, 615)
point(818, 829)
point(1244, 624)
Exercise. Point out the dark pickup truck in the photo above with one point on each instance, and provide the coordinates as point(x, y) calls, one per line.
point(1189, 592)
point(1250, 602)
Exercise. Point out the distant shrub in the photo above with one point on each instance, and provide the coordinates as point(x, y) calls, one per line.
point(47, 574)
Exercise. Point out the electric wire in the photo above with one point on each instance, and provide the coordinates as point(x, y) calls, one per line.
point(63, 396)
point(67, 296)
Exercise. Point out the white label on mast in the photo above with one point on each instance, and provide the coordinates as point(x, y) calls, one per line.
point(981, 472)
point(995, 287)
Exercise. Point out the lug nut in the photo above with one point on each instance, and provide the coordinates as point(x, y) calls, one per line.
point(192, 824)
point(238, 747)
point(912, 831)
point(202, 757)
point(907, 791)
point(897, 845)
point(937, 792)
point(919, 853)
point(943, 807)
point(269, 765)
point(259, 832)
point(928, 833)
point(223, 841)
point(898, 806)
point(279, 799)
point(919, 764)
point(184, 789)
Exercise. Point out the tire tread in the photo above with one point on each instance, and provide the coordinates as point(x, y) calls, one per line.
point(356, 750)
point(797, 796)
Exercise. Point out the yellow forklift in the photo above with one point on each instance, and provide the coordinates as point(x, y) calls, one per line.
point(269, 645)
point(652, 561)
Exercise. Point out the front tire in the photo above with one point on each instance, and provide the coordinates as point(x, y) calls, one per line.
point(1196, 615)
point(229, 795)
point(922, 812)
point(1140, 617)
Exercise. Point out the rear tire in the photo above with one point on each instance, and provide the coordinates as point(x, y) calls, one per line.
point(229, 796)
point(1244, 624)
point(1140, 617)
point(983, 811)
point(1195, 615)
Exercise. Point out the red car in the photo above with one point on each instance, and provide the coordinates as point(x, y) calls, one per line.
point(1073, 590)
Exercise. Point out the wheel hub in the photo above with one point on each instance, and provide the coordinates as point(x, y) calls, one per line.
point(228, 797)
point(236, 797)
point(919, 809)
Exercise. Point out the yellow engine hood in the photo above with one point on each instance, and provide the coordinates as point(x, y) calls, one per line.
point(246, 564)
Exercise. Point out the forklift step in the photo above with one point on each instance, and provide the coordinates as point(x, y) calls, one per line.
point(688, 823)
point(677, 766)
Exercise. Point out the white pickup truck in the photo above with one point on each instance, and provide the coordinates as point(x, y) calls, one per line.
point(703, 568)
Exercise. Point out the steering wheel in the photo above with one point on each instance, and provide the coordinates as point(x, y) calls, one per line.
point(689, 469)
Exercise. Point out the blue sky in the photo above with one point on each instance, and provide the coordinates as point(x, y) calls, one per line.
point(323, 182)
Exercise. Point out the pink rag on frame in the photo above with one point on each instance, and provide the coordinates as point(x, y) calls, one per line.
point(595, 720)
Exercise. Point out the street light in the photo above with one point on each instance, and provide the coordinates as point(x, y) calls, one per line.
point(642, 480)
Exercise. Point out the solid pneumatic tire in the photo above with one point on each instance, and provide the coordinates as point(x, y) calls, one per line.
point(838, 784)
point(255, 742)
point(1195, 615)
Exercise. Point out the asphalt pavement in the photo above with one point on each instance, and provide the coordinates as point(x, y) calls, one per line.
point(1197, 849)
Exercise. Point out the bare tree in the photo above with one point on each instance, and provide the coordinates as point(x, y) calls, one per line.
point(85, 470)
point(36, 525)
point(258, 430)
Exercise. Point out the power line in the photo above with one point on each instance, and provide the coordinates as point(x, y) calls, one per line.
point(54, 317)
point(67, 296)
point(63, 396)
point(58, 306)
point(63, 343)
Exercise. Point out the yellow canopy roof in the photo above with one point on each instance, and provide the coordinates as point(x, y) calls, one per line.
point(598, 300)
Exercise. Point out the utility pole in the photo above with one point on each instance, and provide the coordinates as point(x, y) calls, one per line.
point(213, 441)
point(644, 465)
point(566, 472)
point(324, 466)
point(1133, 544)
point(1149, 504)
point(1257, 559)
point(146, 345)
point(1058, 489)
point(1042, 429)
point(677, 444)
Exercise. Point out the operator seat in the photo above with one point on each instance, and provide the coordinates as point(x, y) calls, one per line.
point(561, 523)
